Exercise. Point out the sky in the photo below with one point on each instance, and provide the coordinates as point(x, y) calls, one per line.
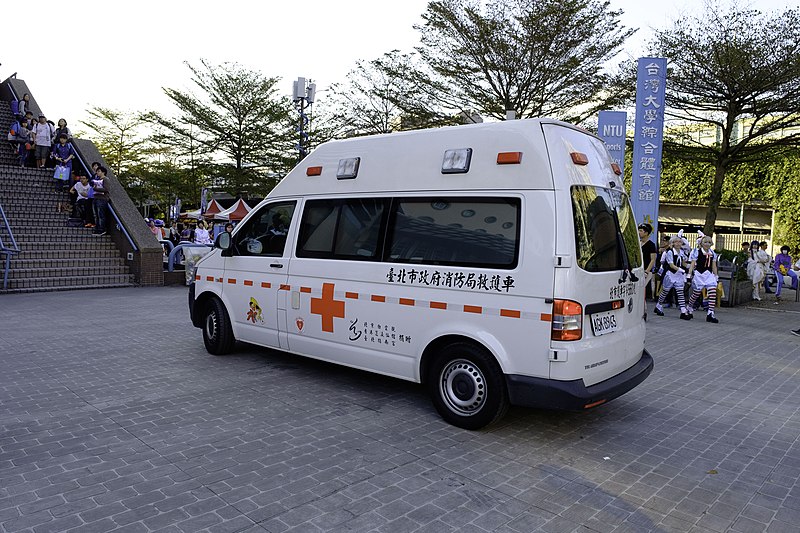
point(119, 55)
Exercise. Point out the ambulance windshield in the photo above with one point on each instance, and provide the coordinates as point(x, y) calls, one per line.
point(605, 230)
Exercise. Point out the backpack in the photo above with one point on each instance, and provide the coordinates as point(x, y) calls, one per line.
point(13, 133)
point(14, 107)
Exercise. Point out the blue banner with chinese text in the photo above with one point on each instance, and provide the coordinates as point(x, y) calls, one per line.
point(648, 135)
point(611, 127)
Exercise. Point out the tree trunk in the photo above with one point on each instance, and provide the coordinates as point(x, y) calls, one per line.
point(716, 198)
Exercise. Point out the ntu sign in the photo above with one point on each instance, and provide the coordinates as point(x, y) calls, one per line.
point(611, 127)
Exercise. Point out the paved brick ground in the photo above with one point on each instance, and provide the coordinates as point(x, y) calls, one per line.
point(113, 417)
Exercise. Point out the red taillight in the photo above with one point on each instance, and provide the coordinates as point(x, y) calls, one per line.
point(567, 321)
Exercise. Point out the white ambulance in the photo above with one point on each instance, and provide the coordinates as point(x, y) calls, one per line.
point(497, 264)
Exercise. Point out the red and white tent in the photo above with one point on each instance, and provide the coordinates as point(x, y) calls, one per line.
point(213, 209)
point(235, 212)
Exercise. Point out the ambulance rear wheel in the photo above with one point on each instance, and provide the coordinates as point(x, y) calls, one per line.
point(467, 386)
point(217, 332)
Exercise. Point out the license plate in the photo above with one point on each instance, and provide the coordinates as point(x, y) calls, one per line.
point(603, 323)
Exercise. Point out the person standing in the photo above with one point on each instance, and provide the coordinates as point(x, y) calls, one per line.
point(156, 231)
point(674, 277)
point(783, 267)
point(703, 273)
point(100, 201)
point(26, 140)
point(62, 128)
point(767, 260)
point(649, 251)
point(201, 235)
point(173, 235)
point(64, 153)
point(755, 269)
point(24, 104)
point(43, 136)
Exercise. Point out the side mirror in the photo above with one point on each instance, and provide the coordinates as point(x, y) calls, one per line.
point(223, 241)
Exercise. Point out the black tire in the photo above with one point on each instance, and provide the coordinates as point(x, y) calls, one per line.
point(217, 332)
point(467, 386)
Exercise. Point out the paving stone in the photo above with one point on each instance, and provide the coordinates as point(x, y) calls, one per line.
point(158, 435)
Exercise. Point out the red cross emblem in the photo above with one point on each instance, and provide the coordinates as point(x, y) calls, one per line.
point(327, 307)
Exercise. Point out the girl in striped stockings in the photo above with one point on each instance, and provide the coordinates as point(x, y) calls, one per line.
point(703, 272)
point(674, 277)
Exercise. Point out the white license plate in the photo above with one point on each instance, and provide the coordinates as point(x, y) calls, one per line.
point(603, 323)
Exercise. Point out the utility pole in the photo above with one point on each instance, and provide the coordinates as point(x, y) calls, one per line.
point(303, 98)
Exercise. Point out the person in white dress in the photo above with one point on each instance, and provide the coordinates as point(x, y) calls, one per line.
point(201, 235)
point(674, 276)
point(703, 273)
point(757, 267)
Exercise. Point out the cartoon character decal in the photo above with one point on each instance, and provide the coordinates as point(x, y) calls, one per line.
point(254, 313)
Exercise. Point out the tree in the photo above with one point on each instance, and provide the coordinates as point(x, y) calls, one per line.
point(239, 120)
point(119, 139)
point(784, 188)
point(379, 96)
point(537, 57)
point(735, 73)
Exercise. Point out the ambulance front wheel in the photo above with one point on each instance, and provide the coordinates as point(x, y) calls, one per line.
point(467, 386)
point(217, 332)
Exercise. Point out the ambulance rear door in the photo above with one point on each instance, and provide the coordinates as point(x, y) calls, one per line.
point(598, 262)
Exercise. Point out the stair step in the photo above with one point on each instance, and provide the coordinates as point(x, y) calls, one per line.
point(27, 273)
point(34, 254)
point(78, 235)
point(75, 262)
point(109, 285)
point(68, 281)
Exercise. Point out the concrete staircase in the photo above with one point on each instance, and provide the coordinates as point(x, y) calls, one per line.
point(52, 256)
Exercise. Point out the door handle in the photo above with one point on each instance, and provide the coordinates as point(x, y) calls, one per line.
point(276, 265)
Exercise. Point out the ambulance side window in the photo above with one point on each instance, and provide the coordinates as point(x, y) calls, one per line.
point(264, 234)
point(470, 232)
point(343, 229)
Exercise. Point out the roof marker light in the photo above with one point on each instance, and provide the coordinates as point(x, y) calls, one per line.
point(456, 161)
point(509, 158)
point(313, 171)
point(348, 168)
point(579, 158)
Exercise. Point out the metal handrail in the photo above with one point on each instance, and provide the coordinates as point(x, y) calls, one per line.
point(13, 92)
point(122, 228)
point(5, 250)
point(170, 244)
point(174, 252)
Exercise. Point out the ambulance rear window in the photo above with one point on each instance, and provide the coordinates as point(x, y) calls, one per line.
point(605, 231)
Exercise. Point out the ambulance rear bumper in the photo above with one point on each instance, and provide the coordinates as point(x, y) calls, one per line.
point(573, 395)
